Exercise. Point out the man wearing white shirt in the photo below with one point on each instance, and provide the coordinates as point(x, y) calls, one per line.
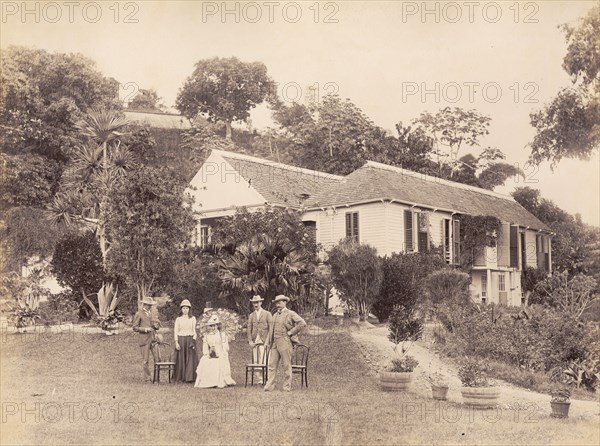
point(259, 324)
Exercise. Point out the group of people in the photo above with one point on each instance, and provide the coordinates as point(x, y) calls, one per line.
point(273, 333)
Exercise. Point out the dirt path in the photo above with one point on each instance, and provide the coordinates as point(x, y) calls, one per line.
point(378, 353)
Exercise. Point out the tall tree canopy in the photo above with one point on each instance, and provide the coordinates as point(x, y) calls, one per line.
point(569, 126)
point(224, 89)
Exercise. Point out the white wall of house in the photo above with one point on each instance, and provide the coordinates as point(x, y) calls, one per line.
point(217, 185)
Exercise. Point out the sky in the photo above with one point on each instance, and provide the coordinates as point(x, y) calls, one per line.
point(394, 60)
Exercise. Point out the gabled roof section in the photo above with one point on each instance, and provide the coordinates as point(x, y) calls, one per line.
point(280, 184)
point(158, 120)
point(376, 181)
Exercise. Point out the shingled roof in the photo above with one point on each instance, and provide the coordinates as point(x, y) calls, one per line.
point(158, 120)
point(280, 184)
point(376, 181)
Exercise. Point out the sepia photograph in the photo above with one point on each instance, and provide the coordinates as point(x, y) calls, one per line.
point(300, 222)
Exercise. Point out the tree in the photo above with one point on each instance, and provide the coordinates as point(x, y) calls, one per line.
point(264, 265)
point(569, 127)
point(573, 296)
point(150, 221)
point(224, 89)
point(146, 100)
point(44, 95)
point(357, 274)
point(452, 128)
point(575, 246)
point(448, 296)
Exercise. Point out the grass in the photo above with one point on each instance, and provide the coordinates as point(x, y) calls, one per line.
point(76, 389)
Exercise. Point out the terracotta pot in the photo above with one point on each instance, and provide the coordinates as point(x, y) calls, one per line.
point(395, 381)
point(480, 396)
point(439, 392)
point(560, 409)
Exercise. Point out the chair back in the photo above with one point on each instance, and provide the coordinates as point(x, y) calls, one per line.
point(300, 355)
point(159, 351)
point(264, 359)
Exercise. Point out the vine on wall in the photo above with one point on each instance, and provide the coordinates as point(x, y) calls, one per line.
point(477, 232)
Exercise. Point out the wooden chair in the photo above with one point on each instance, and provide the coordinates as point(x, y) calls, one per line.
point(260, 366)
point(158, 351)
point(300, 362)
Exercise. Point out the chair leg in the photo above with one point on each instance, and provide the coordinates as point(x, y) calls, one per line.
point(306, 378)
point(246, 383)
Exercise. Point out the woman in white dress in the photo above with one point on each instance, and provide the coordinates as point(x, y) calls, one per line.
point(214, 369)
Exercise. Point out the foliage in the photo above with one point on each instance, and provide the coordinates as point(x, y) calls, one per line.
point(573, 295)
point(403, 280)
point(195, 279)
point(286, 224)
point(448, 296)
point(77, 263)
point(476, 233)
point(60, 308)
point(403, 365)
point(584, 372)
point(26, 294)
point(404, 328)
point(43, 96)
point(472, 374)
point(451, 128)
point(530, 278)
point(141, 142)
point(568, 126)
point(107, 313)
point(28, 180)
point(147, 101)
point(27, 233)
point(438, 380)
point(575, 246)
point(150, 221)
point(560, 396)
point(264, 265)
point(357, 274)
point(224, 89)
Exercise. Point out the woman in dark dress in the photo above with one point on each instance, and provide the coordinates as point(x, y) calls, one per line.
point(184, 332)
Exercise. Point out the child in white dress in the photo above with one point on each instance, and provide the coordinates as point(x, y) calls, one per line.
point(214, 369)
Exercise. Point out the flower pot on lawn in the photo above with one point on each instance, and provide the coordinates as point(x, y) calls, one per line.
point(560, 409)
point(480, 397)
point(395, 381)
point(439, 392)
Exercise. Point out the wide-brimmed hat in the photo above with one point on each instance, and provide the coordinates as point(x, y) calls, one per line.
point(281, 297)
point(185, 303)
point(256, 298)
point(214, 320)
point(148, 301)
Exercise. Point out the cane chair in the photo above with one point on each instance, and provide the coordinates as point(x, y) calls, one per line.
point(159, 352)
point(261, 366)
point(300, 363)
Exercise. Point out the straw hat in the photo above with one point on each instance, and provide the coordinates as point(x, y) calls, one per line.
point(148, 301)
point(256, 298)
point(214, 320)
point(281, 297)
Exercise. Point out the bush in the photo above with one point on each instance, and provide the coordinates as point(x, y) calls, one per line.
point(403, 365)
point(471, 374)
point(59, 308)
point(448, 297)
point(403, 277)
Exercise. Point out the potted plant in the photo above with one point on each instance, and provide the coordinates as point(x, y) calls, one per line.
point(404, 329)
point(560, 403)
point(439, 386)
point(477, 390)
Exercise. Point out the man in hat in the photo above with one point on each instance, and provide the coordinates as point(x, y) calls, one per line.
point(259, 324)
point(145, 326)
point(284, 329)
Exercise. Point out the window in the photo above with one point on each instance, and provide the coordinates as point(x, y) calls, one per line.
point(514, 248)
point(483, 287)
point(204, 236)
point(501, 282)
point(423, 235)
point(408, 232)
point(446, 239)
point(352, 226)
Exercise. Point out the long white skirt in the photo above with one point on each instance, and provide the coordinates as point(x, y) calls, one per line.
point(214, 372)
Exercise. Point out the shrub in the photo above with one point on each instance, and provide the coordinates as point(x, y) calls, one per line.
point(584, 373)
point(403, 277)
point(404, 327)
point(448, 297)
point(404, 364)
point(471, 374)
point(560, 396)
point(59, 308)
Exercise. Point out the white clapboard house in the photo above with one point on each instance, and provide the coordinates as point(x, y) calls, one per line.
point(389, 208)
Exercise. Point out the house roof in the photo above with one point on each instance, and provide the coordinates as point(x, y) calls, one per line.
point(158, 120)
point(280, 184)
point(376, 181)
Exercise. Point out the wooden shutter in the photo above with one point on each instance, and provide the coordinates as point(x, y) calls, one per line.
point(514, 246)
point(456, 241)
point(408, 231)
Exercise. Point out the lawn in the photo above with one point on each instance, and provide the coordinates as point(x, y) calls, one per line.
point(76, 389)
